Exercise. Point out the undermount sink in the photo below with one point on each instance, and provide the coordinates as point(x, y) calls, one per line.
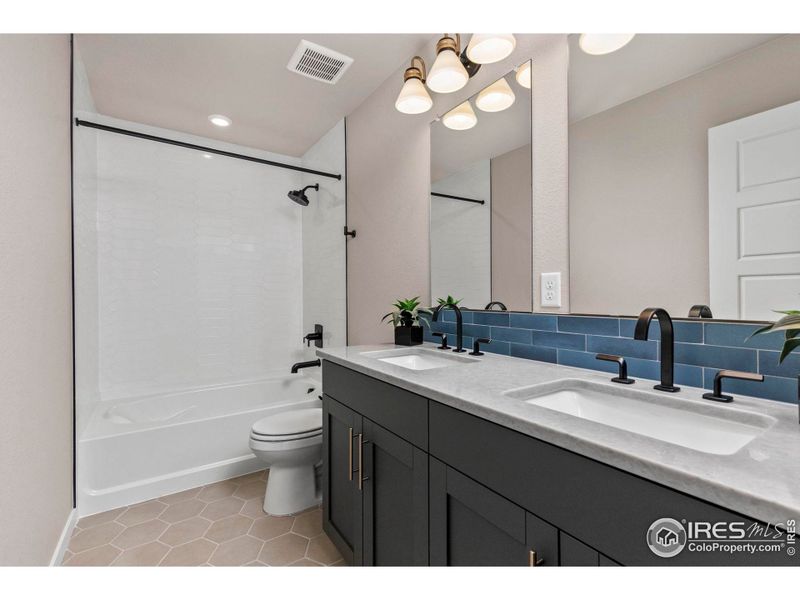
point(710, 429)
point(419, 359)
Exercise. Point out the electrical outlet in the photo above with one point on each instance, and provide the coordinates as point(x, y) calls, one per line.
point(551, 290)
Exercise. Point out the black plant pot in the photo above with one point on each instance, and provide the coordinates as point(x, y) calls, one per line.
point(408, 336)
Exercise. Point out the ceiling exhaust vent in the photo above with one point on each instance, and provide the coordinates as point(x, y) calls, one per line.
point(318, 62)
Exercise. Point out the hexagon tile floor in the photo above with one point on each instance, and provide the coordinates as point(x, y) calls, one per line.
point(221, 524)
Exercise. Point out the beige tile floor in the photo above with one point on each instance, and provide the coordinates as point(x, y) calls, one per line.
point(221, 524)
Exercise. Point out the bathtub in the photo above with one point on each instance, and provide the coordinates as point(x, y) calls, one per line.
point(136, 449)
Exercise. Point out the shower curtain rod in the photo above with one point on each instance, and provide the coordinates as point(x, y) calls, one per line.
point(162, 140)
point(458, 198)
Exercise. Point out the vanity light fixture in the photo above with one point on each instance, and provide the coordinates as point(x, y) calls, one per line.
point(414, 98)
point(523, 75)
point(496, 97)
point(603, 43)
point(461, 117)
point(447, 73)
point(486, 48)
point(219, 120)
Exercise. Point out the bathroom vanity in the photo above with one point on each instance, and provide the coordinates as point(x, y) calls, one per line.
point(436, 459)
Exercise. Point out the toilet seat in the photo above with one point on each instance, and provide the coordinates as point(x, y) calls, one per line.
point(303, 426)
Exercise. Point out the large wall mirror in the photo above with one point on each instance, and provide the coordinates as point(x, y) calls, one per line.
point(684, 175)
point(481, 203)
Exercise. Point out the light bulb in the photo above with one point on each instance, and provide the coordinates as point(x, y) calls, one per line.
point(219, 120)
point(496, 97)
point(413, 98)
point(461, 117)
point(447, 73)
point(603, 43)
point(524, 75)
point(485, 48)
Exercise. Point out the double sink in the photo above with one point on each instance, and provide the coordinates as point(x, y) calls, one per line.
point(698, 426)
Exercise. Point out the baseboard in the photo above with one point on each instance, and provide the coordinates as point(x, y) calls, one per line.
point(63, 541)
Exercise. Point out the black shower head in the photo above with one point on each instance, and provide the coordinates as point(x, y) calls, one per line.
point(300, 197)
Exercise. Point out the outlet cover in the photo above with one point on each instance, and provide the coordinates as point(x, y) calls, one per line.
point(551, 290)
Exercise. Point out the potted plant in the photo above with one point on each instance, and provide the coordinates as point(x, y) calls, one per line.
point(407, 320)
point(790, 325)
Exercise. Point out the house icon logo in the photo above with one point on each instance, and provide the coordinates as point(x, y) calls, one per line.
point(666, 537)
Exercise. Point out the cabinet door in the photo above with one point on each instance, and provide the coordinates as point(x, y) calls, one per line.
point(342, 514)
point(473, 526)
point(575, 553)
point(395, 496)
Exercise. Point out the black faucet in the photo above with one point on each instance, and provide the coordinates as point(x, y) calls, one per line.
point(476, 346)
point(459, 324)
point(667, 344)
point(496, 303)
point(315, 337)
point(700, 311)
point(725, 374)
point(302, 365)
point(444, 345)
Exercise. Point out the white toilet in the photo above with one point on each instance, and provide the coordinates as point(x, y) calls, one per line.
point(290, 443)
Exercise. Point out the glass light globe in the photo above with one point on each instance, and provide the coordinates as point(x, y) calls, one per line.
point(485, 48)
point(461, 117)
point(447, 73)
point(413, 98)
point(496, 97)
point(523, 75)
point(603, 43)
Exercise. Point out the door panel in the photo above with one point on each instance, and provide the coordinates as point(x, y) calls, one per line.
point(575, 553)
point(473, 526)
point(341, 506)
point(754, 209)
point(395, 489)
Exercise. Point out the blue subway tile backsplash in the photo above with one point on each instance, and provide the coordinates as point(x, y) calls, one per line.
point(701, 348)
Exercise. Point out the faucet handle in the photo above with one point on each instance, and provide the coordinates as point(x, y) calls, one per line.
point(444, 345)
point(725, 374)
point(623, 367)
point(476, 346)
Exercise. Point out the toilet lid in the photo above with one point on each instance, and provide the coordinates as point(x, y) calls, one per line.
point(290, 422)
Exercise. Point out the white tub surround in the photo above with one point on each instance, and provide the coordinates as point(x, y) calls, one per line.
point(144, 447)
point(758, 481)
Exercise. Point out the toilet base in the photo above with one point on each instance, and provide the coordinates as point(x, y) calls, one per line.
point(290, 490)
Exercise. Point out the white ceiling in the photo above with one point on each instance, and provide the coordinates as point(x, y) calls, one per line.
point(493, 135)
point(176, 81)
point(647, 63)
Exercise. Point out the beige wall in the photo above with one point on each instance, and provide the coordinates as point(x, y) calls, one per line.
point(512, 270)
point(638, 179)
point(388, 182)
point(35, 298)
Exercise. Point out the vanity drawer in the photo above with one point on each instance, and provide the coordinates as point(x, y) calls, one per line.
point(401, 412)
point(599, 505)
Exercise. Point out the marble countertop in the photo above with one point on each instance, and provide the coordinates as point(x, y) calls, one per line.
point(761, 480)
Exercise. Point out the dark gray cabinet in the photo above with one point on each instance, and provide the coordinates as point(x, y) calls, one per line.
point(409, 480)
point(395, 500)
point(375, 483)
point(470, 525)
point(342, 510)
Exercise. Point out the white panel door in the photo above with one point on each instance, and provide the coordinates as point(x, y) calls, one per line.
point(754, 214)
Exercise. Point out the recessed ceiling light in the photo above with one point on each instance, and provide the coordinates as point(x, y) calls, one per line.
point(219, 120)
point(206, 155)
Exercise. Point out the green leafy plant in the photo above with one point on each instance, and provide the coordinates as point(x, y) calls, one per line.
point(407, 314)
point(449, 300)
point(790, 325)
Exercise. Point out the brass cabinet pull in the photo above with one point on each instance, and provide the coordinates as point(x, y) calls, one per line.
point(533, 559)
point(350, 454)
